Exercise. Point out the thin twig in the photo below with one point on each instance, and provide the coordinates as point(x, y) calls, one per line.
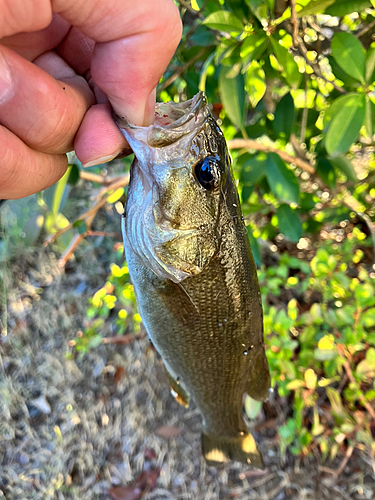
point(304, 116)
point(366, 29)
point(294, 22)
point(258, 146)
point(99, 179)
point(72, 246)
point(102, 233)
point(123, 339)
point(187, 6)
point(338, 471)
point(182, 69)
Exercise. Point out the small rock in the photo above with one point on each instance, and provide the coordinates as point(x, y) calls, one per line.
point(41, 404)
point(23, 459)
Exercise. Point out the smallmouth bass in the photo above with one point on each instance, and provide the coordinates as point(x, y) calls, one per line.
point(193, 272)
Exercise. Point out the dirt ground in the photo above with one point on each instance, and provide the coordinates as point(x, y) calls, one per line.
point(83, 428)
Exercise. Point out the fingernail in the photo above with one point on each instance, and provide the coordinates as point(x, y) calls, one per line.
point(103, 159)
point(6, 84)
point(149, 117)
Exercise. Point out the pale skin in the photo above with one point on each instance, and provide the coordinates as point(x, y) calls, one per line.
point(63, 65)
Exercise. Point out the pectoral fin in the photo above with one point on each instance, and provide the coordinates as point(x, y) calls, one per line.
point(259, 375)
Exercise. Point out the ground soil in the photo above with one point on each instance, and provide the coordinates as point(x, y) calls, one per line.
point(80, 428)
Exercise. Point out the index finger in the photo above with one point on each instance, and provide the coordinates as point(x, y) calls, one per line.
point(135, 42)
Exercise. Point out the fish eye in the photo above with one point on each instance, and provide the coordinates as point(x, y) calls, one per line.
point(207, 172)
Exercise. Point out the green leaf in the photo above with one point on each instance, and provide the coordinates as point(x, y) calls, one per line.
point(346, 167)
point(56, 195)
point(252, 48)
point(232, 94)
point(223, 20)
point(284, 117)
point(344, 7)
point(116, 195)
point(74, 175)
point(311, 378)
point(368, 117)
point(32, 229)
point(295, 384)
point(81, 226)
point(281, 179)
point(345, 125)
point(336, 106)
point(314, 7)
point(347, 80)
point(259, 9)
point(370, 65)
point(326, 172)
point(290, 224)
point(55, 222)
point(254, 247)
point(255, 83)
point(335, 400)
point(349, 54)
point(59, 191)
point(203, 75)
point(252, 407)
point(253, 169)
point(286, 60)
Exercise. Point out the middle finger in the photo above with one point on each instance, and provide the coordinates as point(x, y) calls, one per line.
point(44, 111)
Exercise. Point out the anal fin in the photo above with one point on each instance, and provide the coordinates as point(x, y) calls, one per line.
point(258, 384)
point(180, 395)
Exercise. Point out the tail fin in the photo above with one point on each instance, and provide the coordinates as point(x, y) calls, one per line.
point(217, 449)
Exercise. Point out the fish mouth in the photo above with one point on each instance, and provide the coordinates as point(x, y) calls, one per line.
point(172, 122)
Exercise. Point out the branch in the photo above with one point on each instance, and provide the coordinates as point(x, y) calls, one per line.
point(99, 179)
point(294, 22)
point(366, 29)
point(181, 69)
point(339, 470)
point(117, 183)
point(72, 246)
point(123, 339)
point(252, 144)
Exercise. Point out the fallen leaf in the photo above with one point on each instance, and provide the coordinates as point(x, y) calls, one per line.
point(135, 491)
point(119, 374)
point(168, 432)
point(150, 454)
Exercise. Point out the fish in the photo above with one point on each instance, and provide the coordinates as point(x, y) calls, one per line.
point(193, 272)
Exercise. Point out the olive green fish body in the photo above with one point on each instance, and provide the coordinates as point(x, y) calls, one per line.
point(191, 265)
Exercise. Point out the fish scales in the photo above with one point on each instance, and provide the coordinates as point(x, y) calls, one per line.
point(195, 279)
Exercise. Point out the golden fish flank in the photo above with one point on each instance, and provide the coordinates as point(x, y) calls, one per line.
point(194, 275)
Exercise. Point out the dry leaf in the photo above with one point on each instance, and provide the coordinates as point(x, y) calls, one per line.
point(168, 432)
point(135, 491)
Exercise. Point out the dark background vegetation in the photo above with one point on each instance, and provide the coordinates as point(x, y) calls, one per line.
point(84, 405)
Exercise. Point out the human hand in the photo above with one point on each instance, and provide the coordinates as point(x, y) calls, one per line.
point(63, 64)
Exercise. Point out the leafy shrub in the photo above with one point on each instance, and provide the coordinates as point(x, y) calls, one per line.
point(323, 353)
